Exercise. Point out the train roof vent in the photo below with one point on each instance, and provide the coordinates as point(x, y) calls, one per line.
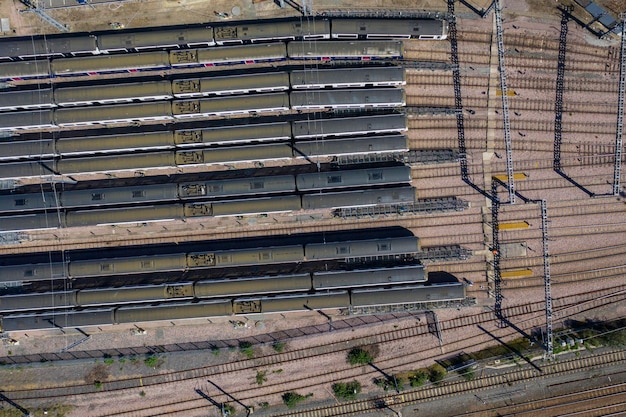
point(97, 197)
point(20, 202)
point(265, 256)
point(139, 194)
point(416, 29)
point(147, 264)
point(216, 188)
point(257, 185)
point(343, 250)
point(30, 273)
point(334, 179)
point(375, 176)
point(384, 247)
point(106, 267)
point(363, 28)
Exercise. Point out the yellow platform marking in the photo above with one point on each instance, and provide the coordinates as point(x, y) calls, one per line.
point(513, 226)
point(516, 273)
point(509, 93)
point(516, 177)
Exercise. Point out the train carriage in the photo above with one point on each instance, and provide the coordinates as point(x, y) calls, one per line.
point(24, 70)
point(242, 154)
point(353, 178)
point(260, 31)
point(113, 114)
point(43, 301)
point(232, 84)
point(347, 99)
point(134, 294)
point(27, 120)
point(328, 280)
point(54, 320)
point(47, 46)
point(26, 99)
point(252, 286)
point(291, 302)
point(347, 78)
point(352, 146)
point(33, 272)
point(88, 145)
point(178, 311)
point(27, 202)
point(348, 126)
point(29, 149)
point(113, 93)
point(226, 135)
point(256, 206)
point(156, 38)
point(361, 248)
point(232, 105)
point(409, 294)
point(229, 55)
point(381, 196)
point(119, 195)
point(143, 214)
point(349, 50)
point(103, 64)
point(128, 265)
point(389, 29)
point(237, 187)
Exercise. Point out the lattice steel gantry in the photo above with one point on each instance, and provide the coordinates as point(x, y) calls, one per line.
point(617, 171)
point(558, 101)
point(546, 276)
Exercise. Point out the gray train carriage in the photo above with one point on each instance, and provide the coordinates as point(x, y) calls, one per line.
point(113, 93)
point(42, 301)
point(381, 196)
point(237, 187)
point(361, 248)
point(119, 195)
point(113, 163)
point(168, 312)
point(47, 46)
point(30, 169)
point(389, 29)
point(409, 294)
point(89, 145)
point(232, 105)
point(226, 135)
point(287, 303)
point(47, 321)
point(29, 149)
point(134, 294)
point(284, 204)
point(252, 286)
point(102, 64)
point(33, 272)
point(241, 257)
point(347, 78)
point(156, 38)
point(113, 114)
point(118, 216)
point(28, 202)
point(353, 178)
point(349, 126)
point(26, 99)
point(27, 120)
point(352, 146)
point(347, 99)
point(242, 154)
point(42, 221)
point(233, 84)
point(129, 265)
point(24, 70)
point(270, 31)
point(348, 50)
point(229, 55)
point(328, 280)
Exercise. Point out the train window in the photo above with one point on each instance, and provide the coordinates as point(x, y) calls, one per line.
point(334, 179)
point(97, 197)
point(147, 264)
point(139, 194)
point(106, 267)
point(20, 202)
point(384, 247)
point(258, 185)
point(216, 188)
point(343, 250)
point(375, 176)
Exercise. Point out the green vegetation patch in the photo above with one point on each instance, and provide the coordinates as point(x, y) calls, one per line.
point(347, 390)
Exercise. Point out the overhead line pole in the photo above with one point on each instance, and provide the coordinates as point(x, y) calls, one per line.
point(617, 171)
point(547, 281)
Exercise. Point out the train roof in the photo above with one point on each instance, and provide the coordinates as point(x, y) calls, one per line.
point(130, 162)
point(353, 98)
point(256, 206)
point(141, 214)
point(239, 186)
point(24, 69)
point(46, 46)
point(347, 126)
point(33, 272)
point(174, 311)
point(24, 302)
point(26, 99)
point(293, 302)
point(225, 54)
point(352, 178)
point(402, 195)
point(120, 113)
point(33, 119)
point(228, 105)
point(351, 146)
point(360, 248)
point(117, 195)
point(136, 293)
point(157, 37)
point(369, 277)
point(252, 153)
point(112, 92)
point(114, 143)
point(272, 30)
point(348, 49)
point(233, 84)
point(103, 63)
point(25, 202)
point(43, 148)
point(252, 285)
point(409, 294)
point(41, 168)
point(341, 77)
point(95, 317)
point(234, 134)
point(387, 28)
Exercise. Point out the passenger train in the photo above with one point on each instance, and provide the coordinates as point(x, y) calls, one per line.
point(248, 286)
point(220, 34)
point(262, 82)
point(90, 66)
point(225, 307)
point(398, 247)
